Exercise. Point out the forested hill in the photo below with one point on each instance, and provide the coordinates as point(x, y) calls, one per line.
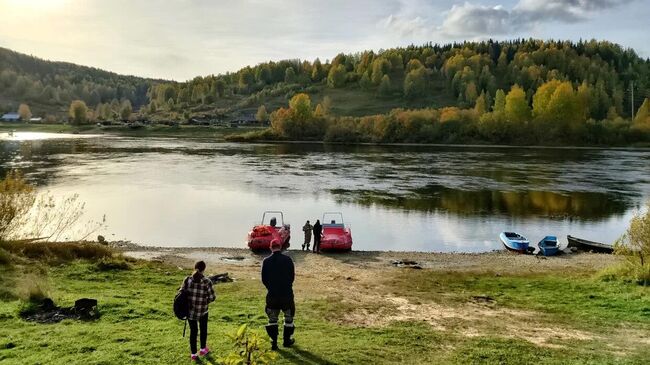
point(49, 87)
point(361, 84)
point(423, 76)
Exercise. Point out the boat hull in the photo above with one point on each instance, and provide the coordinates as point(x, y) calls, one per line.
point(336, 239)
point(514, 245)
point(259, 239)
point(548, 246)
point(586, 245)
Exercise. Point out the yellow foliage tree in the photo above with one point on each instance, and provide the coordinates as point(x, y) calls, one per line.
point(517, 109)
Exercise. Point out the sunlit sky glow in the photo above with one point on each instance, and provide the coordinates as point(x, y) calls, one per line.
point(180, 39)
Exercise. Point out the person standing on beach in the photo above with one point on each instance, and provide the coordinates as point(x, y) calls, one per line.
point(278, 275)
point(318, 230)
point(307, 229)
point(200, 294)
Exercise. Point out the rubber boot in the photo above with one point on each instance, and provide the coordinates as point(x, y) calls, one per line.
point(287, 333)
point(272, 330)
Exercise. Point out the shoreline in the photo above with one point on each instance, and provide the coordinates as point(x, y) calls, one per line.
point(237, 259)
point(220, 133)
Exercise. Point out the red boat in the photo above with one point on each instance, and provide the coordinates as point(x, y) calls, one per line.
point(336, 236)
point(260, 237)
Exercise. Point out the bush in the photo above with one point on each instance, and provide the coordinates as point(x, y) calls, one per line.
point(112, 264)
point(58, 251)
point(5, 257)
point(247, 349)
point(32, 288)
point(634, 245)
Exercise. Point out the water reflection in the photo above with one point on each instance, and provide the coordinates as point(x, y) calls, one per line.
point(553, 205)
point(172, 191)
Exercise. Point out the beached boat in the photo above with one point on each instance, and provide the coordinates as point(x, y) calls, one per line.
point(548, 246)
point(336, 235)
point(586, 245)
point(514, 242)
point(260, 237)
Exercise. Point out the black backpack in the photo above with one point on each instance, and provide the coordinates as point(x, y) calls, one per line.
point(182, 302)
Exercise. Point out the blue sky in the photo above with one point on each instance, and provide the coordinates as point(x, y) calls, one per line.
point(180, 39)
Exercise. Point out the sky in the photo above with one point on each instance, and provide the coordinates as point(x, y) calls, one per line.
point(181, 39)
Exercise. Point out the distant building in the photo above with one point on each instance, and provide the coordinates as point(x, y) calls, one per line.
point(10, 117)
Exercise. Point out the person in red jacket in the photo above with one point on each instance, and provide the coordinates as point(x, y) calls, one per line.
point(200, 295)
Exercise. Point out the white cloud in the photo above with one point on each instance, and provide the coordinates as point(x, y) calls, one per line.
point(469, 20)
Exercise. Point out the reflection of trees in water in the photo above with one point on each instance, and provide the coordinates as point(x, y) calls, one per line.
point(579, 205)
point(36, 158)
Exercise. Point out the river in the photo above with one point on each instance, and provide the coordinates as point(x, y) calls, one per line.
point(189, 192)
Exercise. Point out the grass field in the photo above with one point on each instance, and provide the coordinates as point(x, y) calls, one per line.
point(445, 317)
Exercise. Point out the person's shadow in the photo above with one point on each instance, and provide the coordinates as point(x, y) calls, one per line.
point(300, 356)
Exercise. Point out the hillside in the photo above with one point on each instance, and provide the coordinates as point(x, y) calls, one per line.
point(361, 84)
point(49, 87)
point(420, 76)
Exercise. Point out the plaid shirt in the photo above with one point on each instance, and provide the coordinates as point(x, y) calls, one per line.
point(200, 294)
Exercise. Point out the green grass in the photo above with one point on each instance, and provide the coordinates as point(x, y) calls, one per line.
point(573, 298)
point(137, 325)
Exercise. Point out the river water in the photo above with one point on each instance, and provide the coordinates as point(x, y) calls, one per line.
point(180, 192)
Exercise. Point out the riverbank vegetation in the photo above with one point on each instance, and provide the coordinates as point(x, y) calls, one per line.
point(635, 247)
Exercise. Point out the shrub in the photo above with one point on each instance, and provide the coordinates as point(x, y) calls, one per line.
point(634, 245)
point(26, 214)
point(31, 288)
point(5, 257)
point(112, 264)
point(16, 199)
point(58, 251)
point(247, 349)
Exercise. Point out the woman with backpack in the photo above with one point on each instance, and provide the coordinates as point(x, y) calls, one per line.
point(199, 293)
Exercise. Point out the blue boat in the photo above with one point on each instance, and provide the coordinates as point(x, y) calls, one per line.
point(548, 246)
point(514, 242)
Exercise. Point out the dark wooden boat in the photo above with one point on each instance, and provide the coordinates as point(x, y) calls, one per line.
point(585, 245)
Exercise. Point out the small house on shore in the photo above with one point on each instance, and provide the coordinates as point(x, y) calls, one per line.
point(10, 117)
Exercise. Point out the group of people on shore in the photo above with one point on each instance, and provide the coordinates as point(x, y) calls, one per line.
point(317, 230)
point(278, 274)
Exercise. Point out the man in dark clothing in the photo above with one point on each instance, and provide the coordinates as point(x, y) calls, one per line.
point(278, 275)
point(318, 230)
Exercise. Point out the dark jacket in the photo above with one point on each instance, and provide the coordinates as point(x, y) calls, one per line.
point(318, 229)
point(277, 276)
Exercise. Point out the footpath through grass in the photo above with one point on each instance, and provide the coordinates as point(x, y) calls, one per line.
point(137, 325)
